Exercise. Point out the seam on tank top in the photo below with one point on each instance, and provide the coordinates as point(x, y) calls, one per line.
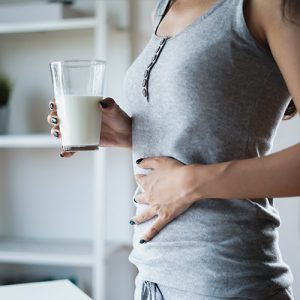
point(263, 52)
point(250, 124)
point(162, 7)
point(196, 22)
point(159, 11)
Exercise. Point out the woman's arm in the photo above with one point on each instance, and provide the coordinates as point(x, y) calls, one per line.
point(278, 174)
point(275, 175)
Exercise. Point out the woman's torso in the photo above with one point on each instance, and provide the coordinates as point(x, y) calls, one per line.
point(214, 95)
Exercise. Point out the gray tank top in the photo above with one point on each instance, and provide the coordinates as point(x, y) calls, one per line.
point(211, 94)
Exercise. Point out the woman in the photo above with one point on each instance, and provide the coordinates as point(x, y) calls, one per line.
point(205, 98)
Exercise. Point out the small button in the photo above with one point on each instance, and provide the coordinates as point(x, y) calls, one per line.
point(163, 41)
point(145, 93)
point(144, 83)
point(158, 49)
point(154, 58)
point(146, 73)
point(150, 65)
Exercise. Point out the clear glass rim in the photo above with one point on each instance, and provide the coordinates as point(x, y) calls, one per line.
point(78, 62)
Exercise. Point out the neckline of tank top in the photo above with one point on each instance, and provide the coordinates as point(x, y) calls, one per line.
point(198, 20)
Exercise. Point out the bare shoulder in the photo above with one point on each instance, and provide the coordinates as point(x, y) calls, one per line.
point(260, 15)
point(282, 35)
point(267, 8)
point(268, 14)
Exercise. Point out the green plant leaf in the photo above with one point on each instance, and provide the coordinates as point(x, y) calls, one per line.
point(5, 90)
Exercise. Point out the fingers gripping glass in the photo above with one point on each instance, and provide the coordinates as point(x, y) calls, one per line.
point(78, 88)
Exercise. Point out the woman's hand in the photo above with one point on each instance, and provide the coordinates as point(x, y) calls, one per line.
point(115, 127)
point(53, 119)
point(168, 189)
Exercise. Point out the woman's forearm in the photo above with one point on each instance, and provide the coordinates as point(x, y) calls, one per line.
point(125, 141)
point(274, 175)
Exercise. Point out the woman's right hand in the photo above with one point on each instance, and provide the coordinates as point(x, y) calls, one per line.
point(115, 127)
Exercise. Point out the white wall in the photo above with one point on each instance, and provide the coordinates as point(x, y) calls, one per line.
point(289, 134)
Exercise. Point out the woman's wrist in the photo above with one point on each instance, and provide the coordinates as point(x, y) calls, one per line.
point(203, 179)
point(126, 141)
point(126, 138)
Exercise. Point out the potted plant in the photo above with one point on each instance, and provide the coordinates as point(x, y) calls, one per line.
point(5, 91)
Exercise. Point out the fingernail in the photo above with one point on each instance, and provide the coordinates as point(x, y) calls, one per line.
point(55, 133)
point(134, 200)
point(131, 222)
point(61, 154)
point(104, 104)
point(51, 105)
point(139, 160)
point(142, 241)
point(54, 120)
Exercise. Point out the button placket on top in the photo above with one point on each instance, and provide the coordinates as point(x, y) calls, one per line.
point(145, 83)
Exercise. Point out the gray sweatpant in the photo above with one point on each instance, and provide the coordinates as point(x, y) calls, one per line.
point(147, 290)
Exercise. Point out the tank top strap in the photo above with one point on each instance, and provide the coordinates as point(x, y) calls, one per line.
point(159, 11)
point(241, 27)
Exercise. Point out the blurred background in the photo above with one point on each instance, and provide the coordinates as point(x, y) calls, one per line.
point(68, 218)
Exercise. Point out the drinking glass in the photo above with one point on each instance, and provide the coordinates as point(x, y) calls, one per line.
point(78, 88)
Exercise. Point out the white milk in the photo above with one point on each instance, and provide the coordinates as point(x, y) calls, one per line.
point(80, 120)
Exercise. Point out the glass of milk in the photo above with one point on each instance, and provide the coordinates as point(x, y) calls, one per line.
point(78, 88)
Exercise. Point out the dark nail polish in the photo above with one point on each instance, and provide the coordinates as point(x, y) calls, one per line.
point(134, 200)
point(104, 104)
point(139, 160)
point(54, 120)
point(131, 222)
point(51, 105)
point(61, 155)
point(55, 133)
point(142, 241)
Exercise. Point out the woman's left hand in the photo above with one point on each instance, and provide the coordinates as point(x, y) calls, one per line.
point(168, 190)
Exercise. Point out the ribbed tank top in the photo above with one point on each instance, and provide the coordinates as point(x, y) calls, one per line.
point(211, 94)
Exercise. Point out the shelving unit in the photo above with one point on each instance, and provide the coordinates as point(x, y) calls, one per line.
point(39, 252)
point(29, 141)
point(54, 252)
point(69, 24)
point(53, 211)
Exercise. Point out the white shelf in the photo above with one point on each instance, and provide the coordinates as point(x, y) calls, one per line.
point(26, 251)
point(67, 24)
point(29, 141)
point(58, 253)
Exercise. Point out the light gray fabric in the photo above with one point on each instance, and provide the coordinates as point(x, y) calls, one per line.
point(214, 95)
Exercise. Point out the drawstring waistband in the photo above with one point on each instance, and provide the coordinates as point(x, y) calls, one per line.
point(151, 291)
